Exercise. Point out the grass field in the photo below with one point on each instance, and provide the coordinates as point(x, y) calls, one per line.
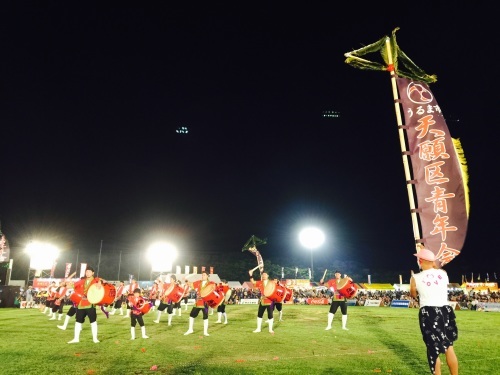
point(379, 340)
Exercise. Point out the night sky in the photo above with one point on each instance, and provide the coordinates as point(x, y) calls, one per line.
point(92, 97)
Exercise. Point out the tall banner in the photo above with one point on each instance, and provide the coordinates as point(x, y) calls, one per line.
point(195, 270)
point(211, 270)
point(251, 245)
point(67, 271)
point(202, 269)
point(4, 248)
point(437, 184)
point(441, 197)
point(186, 270)
point(53, 269)
point(83, 267)
point(178, 270)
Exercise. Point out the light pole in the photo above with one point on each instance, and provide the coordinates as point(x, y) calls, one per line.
point(311, 238)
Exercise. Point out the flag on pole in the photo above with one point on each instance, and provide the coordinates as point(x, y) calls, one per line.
point(437, 172)
point(4, 248)
point(53, 269)
point(251, 245)
point(83, 267)
point(439, 179)
point(67, 271)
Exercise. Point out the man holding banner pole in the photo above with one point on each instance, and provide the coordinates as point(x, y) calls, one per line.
point(436, 316)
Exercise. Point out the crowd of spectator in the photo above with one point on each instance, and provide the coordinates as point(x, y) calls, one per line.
point(471, 300)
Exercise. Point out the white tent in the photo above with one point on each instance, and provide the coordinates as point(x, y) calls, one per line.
point(197, 276)
point(234, 284)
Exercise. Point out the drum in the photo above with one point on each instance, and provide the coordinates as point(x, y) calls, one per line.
point(76, 297)
point(143, 306)
point(174, 292)
point(101, 294)
point(347, 288)
point(211, 296)
point(275, 292)
point(288, 295)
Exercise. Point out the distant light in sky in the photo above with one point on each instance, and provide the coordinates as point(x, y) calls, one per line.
point(331, 114)
point(182, 130)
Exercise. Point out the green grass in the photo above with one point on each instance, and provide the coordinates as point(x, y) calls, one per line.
point(379, 340)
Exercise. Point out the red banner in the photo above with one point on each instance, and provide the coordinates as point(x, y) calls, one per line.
point(53, 269)
point(437, 175)
point(4, 248)
point(317, 301)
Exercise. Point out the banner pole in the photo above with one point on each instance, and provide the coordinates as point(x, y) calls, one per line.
point(404, 150)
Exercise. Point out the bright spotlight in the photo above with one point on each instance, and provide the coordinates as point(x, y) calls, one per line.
point(162, 255)
point(311, 237)
point(42, 255)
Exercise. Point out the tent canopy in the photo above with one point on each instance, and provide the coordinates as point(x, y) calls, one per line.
point(247, 285)
point(234, 284)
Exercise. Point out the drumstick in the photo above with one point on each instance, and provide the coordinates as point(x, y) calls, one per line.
point(324, 274)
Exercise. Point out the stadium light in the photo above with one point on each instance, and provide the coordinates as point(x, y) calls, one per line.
point(161, 255)
point(311, 238)
point(42, 255)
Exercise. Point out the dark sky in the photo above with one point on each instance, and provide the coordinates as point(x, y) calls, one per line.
point(92, 96)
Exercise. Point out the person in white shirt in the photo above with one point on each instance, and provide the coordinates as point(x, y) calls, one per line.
point(436, 316)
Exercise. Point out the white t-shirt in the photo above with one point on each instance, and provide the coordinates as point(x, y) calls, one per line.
point(432, 287)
